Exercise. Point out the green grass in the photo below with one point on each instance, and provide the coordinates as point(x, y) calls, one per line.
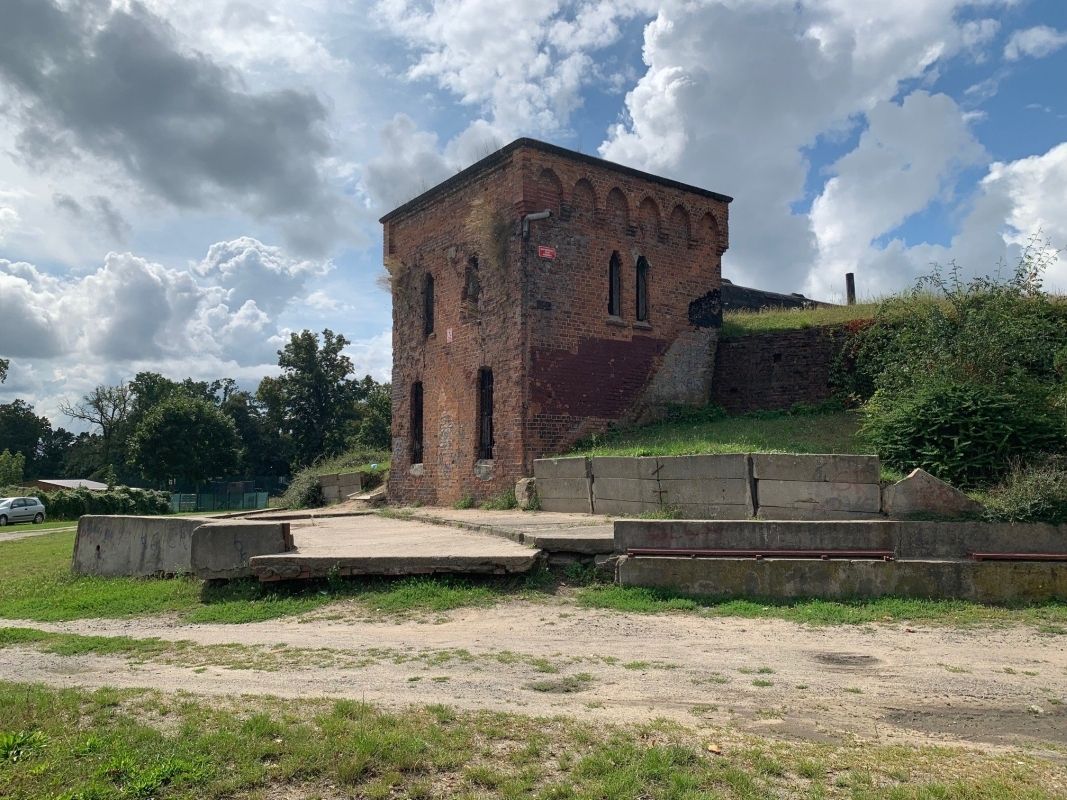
point(1050, 618)
point(36, 583)
point(741, 323)
point(51, 524)
point(816, 432)
point(140, 744)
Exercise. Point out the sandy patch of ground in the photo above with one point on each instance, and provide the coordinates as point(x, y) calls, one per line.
point(1001, 686)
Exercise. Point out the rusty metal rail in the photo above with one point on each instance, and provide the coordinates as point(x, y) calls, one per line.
point(821, 554)
point(1019, 556)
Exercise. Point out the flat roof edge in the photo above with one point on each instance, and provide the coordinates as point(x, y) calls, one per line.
point(504, 153)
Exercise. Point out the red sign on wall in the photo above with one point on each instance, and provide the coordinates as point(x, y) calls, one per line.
point(547, 253)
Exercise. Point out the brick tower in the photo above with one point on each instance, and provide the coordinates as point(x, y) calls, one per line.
point(539, 296)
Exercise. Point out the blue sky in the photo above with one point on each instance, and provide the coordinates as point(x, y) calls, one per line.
point(184, 182)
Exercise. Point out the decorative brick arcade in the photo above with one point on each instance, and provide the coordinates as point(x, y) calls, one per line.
point(517, 332)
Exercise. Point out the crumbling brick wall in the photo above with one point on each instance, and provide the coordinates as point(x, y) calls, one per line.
point(562, 366)
point(775, 370)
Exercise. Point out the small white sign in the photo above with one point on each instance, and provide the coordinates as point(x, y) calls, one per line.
point(448, 336)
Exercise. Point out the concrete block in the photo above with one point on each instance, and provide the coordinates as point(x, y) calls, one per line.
point(637, 491)
point(984, 582)
point(526, 493)
point(223, 549)
point(545, 468)
point(731, 465)
point(816, 468)
point(866, 497)
point(567, 505)
point(922, 493)
point(624, 508)
point(140, 547)
point(330, 479)
point(564, 487)
point(710, 491)
point(813, 512)
point(747, 534)
point(716, 512)
point(623, 467)
point(350, 482)
point(331, 493)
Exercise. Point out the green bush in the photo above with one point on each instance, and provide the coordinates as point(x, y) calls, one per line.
point(73, 503)
point(1034, 493)
point(963, 433)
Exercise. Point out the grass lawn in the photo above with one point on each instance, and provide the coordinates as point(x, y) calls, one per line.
point(741, 323)
point(141, 744)
point(827, 432)
point(36, 584)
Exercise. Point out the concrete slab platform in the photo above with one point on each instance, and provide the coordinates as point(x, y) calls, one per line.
point(375, 545)
point(551, 531)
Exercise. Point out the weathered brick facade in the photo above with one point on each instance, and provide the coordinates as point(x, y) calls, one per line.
point(775, 370)
point(562, 366)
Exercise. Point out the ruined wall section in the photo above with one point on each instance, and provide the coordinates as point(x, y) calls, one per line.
point(466, 239)
point(589, 368)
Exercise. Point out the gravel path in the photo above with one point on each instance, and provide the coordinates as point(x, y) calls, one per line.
point(994, 686)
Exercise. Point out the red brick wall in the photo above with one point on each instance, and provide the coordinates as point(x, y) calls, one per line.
point(587, 370)
point(561, 367)
point(485, 333)
point(771, 371)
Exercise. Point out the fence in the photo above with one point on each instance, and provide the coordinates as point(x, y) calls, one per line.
point(214, 501)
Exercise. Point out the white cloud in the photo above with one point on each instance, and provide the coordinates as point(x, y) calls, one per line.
point(373, 356)
point(909, 154)
point(713, 109)
point(1035, 42)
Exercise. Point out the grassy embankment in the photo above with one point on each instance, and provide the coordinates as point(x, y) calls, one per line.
point(75, 744)
point(36, 584)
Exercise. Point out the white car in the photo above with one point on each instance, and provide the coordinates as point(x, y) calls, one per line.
point(21, 509)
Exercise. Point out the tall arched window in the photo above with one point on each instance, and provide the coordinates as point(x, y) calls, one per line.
point(427, 305)
point(615, 285)
point(642, 289)
point(416, 422)
point(485, 413)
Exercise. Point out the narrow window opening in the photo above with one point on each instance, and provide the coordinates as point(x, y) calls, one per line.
point(615, 285)
point(642, 290)
point(427, 305)
point(416, 422)
point(485, 413)
point(472, 286)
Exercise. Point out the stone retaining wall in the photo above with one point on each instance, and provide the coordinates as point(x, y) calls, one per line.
point(730, 486)
point(339, 485)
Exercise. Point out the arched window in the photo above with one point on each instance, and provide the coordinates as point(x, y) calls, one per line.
point(485, 413)
point(427, 305)
point(642, 289)
point(615, 285)
point(416, 422)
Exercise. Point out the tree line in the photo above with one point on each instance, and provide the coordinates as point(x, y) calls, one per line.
point(163, 432)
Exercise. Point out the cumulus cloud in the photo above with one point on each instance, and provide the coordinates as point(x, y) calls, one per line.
point(909, 153)
point(251, 271)
point(716, 109)
point(113, 83)
point(1035, 42)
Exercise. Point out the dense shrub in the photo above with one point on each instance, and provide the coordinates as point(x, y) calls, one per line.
point(962, 376)
point(73, 503)
point(1030, 493)
point(965, 434)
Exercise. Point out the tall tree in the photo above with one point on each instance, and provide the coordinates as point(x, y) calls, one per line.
point(21, 431)
point(106, 408)
point(12, 466)
point(313, 397)
point(186, 438)
point(4, 364)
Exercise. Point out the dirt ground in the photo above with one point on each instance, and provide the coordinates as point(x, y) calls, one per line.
point(992, 686)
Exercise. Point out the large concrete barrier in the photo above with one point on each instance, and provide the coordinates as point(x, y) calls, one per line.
point(113, 546)
point(926, 559)
point(795, 486)
point(339, 486)
point(564, 484)
point(221, 550)
point(983, 582)
point(695, 487)
point(141, 547)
